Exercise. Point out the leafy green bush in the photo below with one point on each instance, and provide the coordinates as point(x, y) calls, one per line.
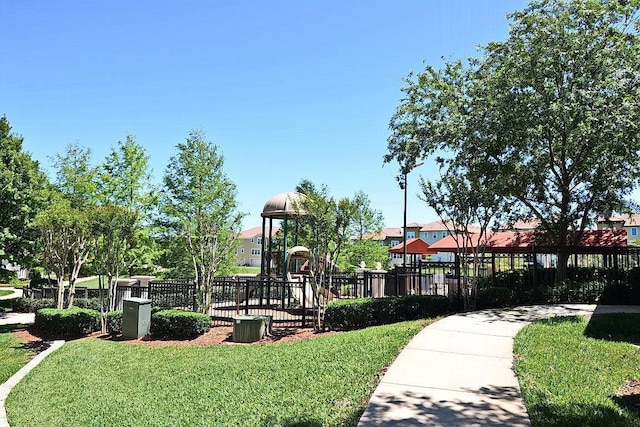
point(114, 322)
point(7, 276)
point(179, 324)
point(364, 312)
point(91, 303)
point(71, 322)
point(28, 305)
point(493, 297)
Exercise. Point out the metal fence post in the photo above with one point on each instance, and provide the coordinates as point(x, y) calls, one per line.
point(304, 301)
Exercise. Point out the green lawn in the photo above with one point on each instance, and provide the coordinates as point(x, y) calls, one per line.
point(12, 355)
point(5, 292)
point(570, 369)
point(324, 381)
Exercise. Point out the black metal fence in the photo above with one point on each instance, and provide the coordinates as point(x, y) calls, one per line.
point(610, 275)
point(162, 293)
point(290, 304)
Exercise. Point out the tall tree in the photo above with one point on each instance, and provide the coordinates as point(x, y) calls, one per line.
point(124, 182)
point(328, 224)
point(21, 187)
point(366, 219)
point(66, 223)
point(467, 207)
point(199, 207)
point(552, 113)
point(66, 233)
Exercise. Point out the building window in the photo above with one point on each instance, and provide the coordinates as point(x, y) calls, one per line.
point(424, 236)
point(396, 256)
point(634, 231)
point(435, 235)
point(255, 251)
point(241, 250)
point(411, 234)
point(259, 240)
point(394, 243)
point(444, 234)
point(252, 240)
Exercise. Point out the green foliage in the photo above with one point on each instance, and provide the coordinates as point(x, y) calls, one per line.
point(28, 305)
point(493, 297)
point(114, 322)
point(570, 370)
point(91, 303)
point(199, 211)
point(69, 322)
point(320, 382)
point(553, 111)
point(7, 276)
point(179, 324)
point(364, 312)
point(21, 198)
point(368, 251)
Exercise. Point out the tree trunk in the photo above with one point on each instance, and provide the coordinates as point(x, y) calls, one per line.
point(60, 301)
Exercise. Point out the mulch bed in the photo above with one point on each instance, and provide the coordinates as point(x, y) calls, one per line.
point(217, 335)
point(629, 395)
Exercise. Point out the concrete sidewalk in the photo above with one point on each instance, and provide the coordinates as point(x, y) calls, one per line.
point(16, 293)
point(459, 371)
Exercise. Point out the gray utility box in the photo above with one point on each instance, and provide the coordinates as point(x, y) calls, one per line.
point(136, 317)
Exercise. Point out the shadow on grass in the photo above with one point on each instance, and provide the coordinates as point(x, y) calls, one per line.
point(580, 415)
point(36, 346)
point(619, 327)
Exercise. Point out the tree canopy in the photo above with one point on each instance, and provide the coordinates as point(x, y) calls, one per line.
point(550, 115)
point(199, 210)
point(21, 197)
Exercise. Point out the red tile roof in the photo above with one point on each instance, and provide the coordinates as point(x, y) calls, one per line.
point(414, 246)
point(256, 231)
point(509, 241)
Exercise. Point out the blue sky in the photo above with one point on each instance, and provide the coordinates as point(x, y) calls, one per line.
point(288, 90)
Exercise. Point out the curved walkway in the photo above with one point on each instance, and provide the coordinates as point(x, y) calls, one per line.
point(459, 371)
point(20, 319)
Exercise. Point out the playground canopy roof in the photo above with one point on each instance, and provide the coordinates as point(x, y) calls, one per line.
point(415, 246)
point(511, 241)
point(283, 205)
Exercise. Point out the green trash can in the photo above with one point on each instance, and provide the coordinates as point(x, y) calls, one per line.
point(136, 317)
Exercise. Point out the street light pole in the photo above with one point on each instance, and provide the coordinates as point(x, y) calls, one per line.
point(404, 185)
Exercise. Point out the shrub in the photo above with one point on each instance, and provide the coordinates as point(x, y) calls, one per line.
point(28, 305)
point(7, 276)
point(179, 324)
point(91, 303)
point(114, 322)
point(364, 312)
point(71, 322)
point(493, 297)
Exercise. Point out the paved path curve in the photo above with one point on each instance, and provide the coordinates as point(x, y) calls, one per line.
point(459, 371)
point(19, 319)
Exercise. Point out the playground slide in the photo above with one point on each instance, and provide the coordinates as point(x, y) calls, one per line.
point(296, 291)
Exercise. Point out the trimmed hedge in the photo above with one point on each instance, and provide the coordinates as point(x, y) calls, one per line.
point(28, 305)
point(114, 322)
point(493, 297)
point(71, 322)
point(179, 324)
point(364, 312)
